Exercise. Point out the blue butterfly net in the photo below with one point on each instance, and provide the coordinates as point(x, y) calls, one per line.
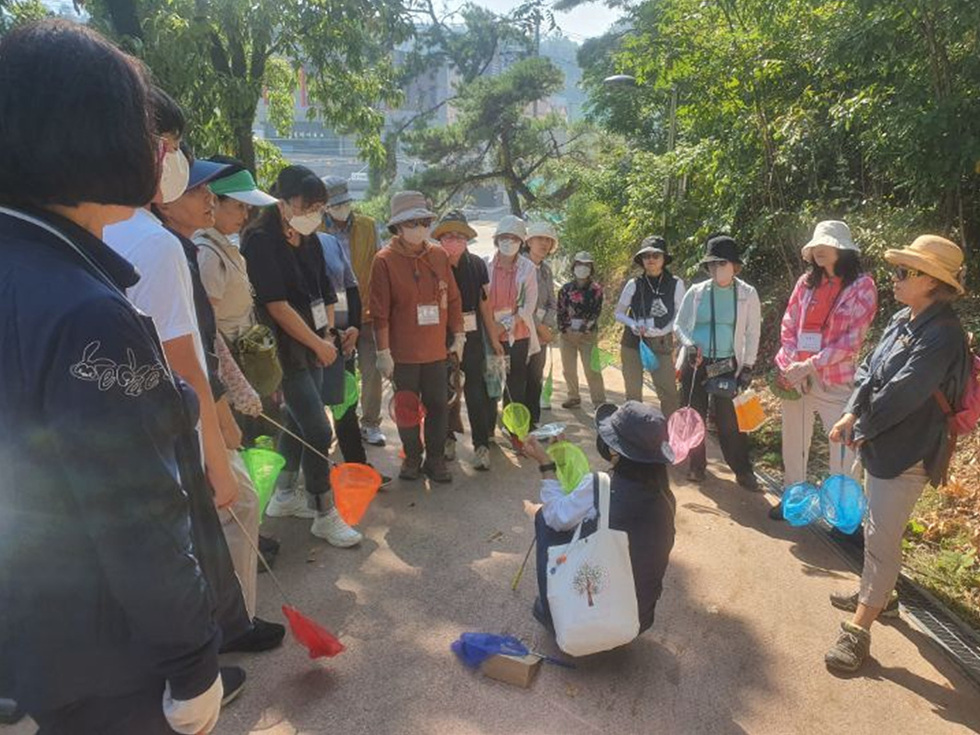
point(648, 357)
point(801, 504)
point(842, 503)
point(475, 648)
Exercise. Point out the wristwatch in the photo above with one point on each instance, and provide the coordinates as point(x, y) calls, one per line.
point(550, 467)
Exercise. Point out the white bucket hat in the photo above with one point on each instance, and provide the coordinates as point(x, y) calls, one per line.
point(543, 229)
point(834, 233)
point(511, 225)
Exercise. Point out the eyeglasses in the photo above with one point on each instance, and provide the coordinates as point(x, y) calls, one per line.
point(652, 256)
point(901, 273)
point(411, 223)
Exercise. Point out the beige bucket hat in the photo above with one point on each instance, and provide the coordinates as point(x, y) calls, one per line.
point(933, 255)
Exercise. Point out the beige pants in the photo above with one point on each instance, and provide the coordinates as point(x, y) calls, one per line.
point(828, 403)
point(575, 345)
point(664, 379)
point(890, 503)
point(246, 509)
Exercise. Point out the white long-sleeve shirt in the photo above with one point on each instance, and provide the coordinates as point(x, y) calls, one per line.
point(562, 511)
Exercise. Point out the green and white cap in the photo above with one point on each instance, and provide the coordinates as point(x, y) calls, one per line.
point(241, 186)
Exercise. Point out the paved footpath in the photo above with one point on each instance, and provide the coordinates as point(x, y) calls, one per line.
point(737, 645)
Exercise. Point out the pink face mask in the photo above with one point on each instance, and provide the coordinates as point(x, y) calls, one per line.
point(454, 247)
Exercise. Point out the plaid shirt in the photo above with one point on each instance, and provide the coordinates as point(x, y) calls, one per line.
point(848, 324)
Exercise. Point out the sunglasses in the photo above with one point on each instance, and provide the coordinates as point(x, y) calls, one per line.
point(902, 274)
point(411, 223)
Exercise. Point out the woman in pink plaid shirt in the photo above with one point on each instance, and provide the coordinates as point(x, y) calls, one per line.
point(825, 323)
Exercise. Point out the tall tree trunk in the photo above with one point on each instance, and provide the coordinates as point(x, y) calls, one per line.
point(244, 143)
point(513, 198)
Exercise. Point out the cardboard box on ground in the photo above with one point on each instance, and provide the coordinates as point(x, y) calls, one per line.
point(517, 670)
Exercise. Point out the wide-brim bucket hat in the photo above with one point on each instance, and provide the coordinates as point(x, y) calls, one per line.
point(933, 255)
point(834, 233)
point(453, 221)
point(511, 225)
point(636, 431)
point(652, 244)
point(721, 249)
point(406, 206)
point(543, 229)
point(338, 191)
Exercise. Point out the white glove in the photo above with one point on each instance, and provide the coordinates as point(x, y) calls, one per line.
point(459, 342)
point(196, 715)
point(385, 363)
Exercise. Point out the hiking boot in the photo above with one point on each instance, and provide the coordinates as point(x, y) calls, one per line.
point(262, 636)
point(411, 469)
point(373, 436)
point(572, 403)
point(232, 681)
point(748, 482)
point(450, 451)
point(849, 603)
point(289, 503)
point(437, 471)
point(853, 646)
point(694, 475)
point(482, 458)
point(332, 529)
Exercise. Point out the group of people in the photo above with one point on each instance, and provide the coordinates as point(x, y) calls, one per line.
point(163, 311)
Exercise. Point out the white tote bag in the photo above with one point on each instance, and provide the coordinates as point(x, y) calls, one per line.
point(590, 587)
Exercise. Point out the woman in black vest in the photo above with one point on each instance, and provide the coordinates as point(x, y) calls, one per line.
point(646, 309)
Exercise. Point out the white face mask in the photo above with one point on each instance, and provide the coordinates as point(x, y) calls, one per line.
point(234, 239)
point(415, 235)
point(582, 271)
point(339, 213)
point(174, 175)
point(508, 246)
point(305, 224)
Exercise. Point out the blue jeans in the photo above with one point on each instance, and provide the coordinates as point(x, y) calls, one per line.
point(305, 416)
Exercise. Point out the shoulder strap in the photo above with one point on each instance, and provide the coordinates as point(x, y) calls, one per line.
point(207, 242)
point(604, 495)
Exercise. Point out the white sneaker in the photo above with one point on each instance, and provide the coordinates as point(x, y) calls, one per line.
point(482, 458)
point(293, 504)
point(373, 436)
point(332, 529)
point(450, 451)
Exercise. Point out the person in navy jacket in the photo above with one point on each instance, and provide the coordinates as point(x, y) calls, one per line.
point(106, 618)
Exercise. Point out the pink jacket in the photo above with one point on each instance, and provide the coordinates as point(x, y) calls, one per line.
point(848, 324)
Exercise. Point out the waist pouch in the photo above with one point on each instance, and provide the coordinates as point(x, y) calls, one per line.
point(258, 357)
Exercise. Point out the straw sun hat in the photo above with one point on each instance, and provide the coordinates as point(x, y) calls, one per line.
point(933, 255)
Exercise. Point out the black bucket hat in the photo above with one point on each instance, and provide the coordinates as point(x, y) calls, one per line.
point(635, 430)
point(652, 244)
point(721, 249)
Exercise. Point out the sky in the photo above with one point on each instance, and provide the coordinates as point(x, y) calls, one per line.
point(585, 21)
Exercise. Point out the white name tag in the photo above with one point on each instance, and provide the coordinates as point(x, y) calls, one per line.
point(469, 321)
point(577, 325)
point(809, 342)
point(319, 314)
point(341, 304)
point(428, 315)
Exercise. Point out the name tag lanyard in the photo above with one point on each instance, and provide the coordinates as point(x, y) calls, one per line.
point(655, 290)
point(441, 299)
point(826, 319)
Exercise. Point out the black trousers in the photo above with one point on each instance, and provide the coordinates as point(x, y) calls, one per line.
point(516, 377)
point(140, 712)
point(478, 404)
point(348, 430)
point(734, 444)
point(535, 381)
point(429, 381)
